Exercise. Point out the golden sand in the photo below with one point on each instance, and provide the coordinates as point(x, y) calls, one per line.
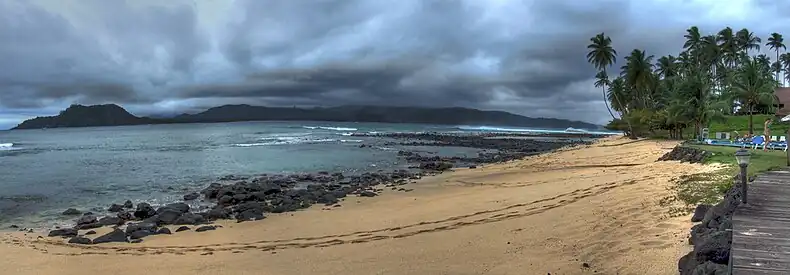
point(596, 204)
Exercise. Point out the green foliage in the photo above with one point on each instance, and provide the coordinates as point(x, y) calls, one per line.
point(705, 83)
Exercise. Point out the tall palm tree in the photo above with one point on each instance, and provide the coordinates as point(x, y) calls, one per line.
point(602, 55)
point(602, 80)
point(666, 67)
point(693, 40)
point(729, 47)
point(747, 41)
point(638, 74)
point(776, 43)
point(751, 88)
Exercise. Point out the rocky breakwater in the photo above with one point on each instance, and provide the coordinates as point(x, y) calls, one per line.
point(244, 199)
point(686, 154)
point(712, 236)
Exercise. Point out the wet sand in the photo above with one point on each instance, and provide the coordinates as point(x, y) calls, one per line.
point(596, 204)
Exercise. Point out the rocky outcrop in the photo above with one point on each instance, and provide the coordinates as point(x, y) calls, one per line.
point(712, 237)
point(247, 199)
point(686, 154)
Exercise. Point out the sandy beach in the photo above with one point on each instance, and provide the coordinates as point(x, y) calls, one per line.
point(583, 210)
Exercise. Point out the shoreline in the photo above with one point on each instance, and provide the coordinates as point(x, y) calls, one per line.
point(420, 164)
point(590, 208)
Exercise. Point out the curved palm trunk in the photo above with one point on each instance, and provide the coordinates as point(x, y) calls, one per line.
point(627, 121)
point(606, 102)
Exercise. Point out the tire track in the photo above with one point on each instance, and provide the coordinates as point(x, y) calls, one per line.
point(424, 227)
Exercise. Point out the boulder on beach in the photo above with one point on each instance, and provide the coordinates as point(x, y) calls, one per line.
point(80, 240)
point(126, 216)
point(114, 236)
point(179, 207)
point(699, 212)
point(65, 232)
point(144, 211)
point(205, 228)
point(189, 218)
point(182, 228)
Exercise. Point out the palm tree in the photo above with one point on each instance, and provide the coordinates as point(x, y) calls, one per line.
point(601, 56)
point(751, 88)
point(693, 39)
point(602, 80)
point(666, 66)
point(638, 74)
point(785, 60)
point(747, 41)
point(729, 47)
point(776, 43)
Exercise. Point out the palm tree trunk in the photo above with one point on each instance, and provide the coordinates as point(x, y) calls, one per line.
point(751, 126)
point(779, 68)
point(606, 102)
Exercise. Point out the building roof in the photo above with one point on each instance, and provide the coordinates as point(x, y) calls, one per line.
point(783, 95)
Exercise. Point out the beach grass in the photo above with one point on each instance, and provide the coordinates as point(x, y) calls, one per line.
point(708, 188)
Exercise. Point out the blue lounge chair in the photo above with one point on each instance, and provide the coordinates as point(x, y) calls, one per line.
point(757, 141)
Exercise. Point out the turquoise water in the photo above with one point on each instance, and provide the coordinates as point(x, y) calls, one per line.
point(43, 172)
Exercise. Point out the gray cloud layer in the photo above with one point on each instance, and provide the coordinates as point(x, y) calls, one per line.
point(526, 57)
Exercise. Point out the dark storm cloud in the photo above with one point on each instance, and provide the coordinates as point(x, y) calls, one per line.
point(522, 56)
point(107, 57)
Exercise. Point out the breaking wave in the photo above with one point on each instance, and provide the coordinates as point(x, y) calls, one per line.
point(7, 146)
point(269, 141)
point(344, 129)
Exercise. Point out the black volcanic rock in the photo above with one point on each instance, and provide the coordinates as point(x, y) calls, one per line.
point(114, 115)
point(86, 116)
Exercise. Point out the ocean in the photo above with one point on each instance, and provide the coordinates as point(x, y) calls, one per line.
point(43, 172)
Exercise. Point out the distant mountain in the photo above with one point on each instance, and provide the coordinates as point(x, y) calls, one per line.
point(86, 116)
point(111, 115)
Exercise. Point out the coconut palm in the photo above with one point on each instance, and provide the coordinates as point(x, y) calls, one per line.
point(666, 66)
point(728, 44)
point(712, 75)
point(776, 43)
point(602, 80)
point(693, 38)
point(602, 55)
point(638, 74)
point(747, 41)
point(751, 88)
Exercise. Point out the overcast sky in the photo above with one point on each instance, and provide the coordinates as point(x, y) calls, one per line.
point(521, 56)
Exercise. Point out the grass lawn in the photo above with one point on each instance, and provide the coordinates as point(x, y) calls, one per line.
point(741, 124)
point(759, 162)
point(709, 187)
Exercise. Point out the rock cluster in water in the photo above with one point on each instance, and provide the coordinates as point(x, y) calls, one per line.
point(712, 237)
point(251, 198)
point(686, 154)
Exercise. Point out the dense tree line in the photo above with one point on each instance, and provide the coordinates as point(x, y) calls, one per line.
point(715, 75)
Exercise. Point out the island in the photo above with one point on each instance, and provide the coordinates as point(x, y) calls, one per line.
point(114, 115)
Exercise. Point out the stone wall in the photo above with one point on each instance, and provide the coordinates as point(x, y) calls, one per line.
point(712, 236)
